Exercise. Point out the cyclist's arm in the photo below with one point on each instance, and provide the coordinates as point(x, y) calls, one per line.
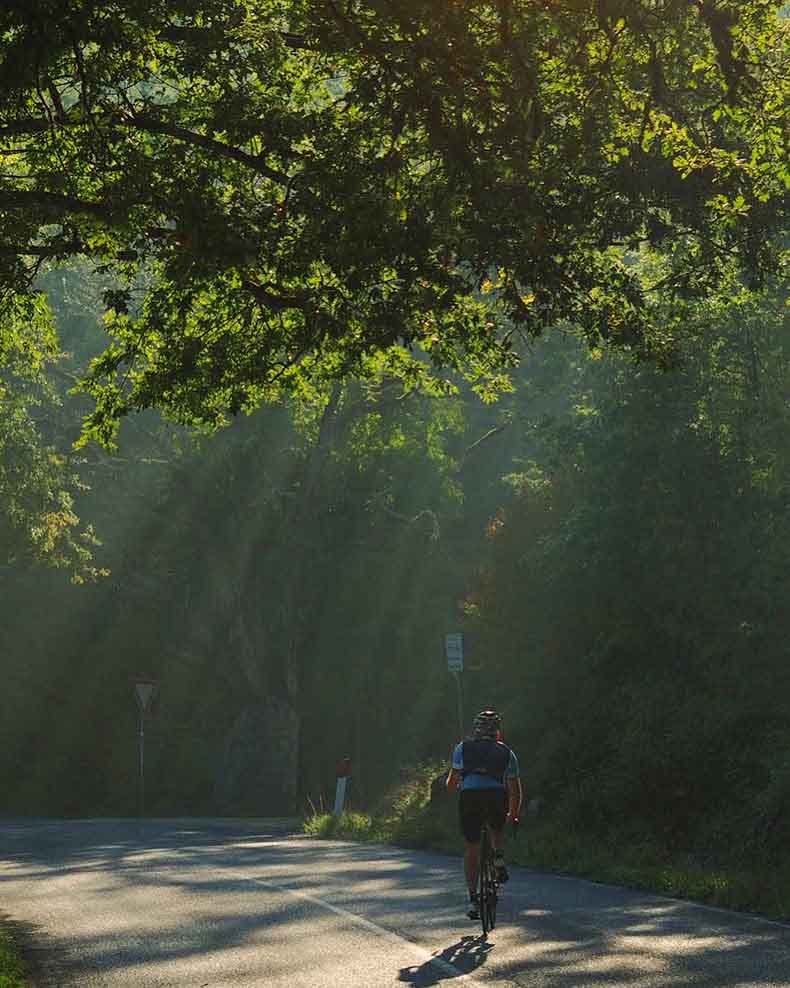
point(514, 797)
point(453, 779)
point(456, 772)
point(513, 783)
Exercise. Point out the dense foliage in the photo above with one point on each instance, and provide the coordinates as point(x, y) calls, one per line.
point(39, 476)
point(633, 603)
point(610, 538)
point(295, 211)
point(291, 192)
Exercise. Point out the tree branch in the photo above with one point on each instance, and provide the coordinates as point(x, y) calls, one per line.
point(425, 513)
point(37, 250)
point(478, 442)
point(277, 303)
point(178, 34)
point(154, 125)
point(52, 201)
point(57, 250)
point(32, 126)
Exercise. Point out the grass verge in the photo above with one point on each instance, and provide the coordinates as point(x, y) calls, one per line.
point(409, 818)
point(12, 972)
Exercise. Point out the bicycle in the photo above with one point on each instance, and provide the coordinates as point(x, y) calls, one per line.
point(487, 884)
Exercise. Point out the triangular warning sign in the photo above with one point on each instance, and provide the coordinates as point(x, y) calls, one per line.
point(144, 693)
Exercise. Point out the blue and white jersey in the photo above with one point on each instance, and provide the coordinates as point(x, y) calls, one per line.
point(496, 763)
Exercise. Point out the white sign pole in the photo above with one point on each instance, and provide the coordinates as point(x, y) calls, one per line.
point(454, 650)
point(144, 692)
point(459, 688)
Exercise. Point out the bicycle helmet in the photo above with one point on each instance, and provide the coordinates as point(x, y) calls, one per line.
point(487, 724)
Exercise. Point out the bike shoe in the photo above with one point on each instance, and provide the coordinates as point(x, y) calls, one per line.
point(474, 907)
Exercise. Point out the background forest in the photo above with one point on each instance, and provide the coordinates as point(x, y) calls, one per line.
point(611, 538)
point(328, 329)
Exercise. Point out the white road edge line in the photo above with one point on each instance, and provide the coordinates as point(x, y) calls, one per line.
point(424, 955)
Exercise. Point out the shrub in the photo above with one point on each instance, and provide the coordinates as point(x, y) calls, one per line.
point(11, 968)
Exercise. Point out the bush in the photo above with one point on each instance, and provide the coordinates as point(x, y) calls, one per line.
point(347, 826)
point(405, 815)
point(11, 967)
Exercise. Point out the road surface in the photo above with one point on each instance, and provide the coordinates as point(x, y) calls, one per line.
point(210, 904)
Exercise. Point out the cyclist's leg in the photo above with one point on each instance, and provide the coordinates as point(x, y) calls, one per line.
point(470, 815)
point(471, 862)
point(496, 819)
point(498, 843)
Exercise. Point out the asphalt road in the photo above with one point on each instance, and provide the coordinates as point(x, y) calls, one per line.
point(206, 904)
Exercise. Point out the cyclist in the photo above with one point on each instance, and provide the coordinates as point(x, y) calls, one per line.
point(487, 773)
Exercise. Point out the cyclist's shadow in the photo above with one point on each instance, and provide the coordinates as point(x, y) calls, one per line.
point(465, 956)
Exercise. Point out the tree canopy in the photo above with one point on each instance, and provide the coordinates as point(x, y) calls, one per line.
point(39, 479)
point(290, 192)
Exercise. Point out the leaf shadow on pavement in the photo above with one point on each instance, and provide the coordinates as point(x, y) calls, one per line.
point(465, 956)
point(199, 896)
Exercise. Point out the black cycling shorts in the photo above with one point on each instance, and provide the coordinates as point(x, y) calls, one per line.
point(478, 806)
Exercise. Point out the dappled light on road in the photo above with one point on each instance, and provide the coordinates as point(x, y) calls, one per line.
point(124, 905)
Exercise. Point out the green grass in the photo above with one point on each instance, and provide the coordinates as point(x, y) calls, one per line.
point(348, 826)
point(622, 861)
point(11, 967)
point(408, 818)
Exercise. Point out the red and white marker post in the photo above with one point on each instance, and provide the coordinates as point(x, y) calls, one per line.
point(343, 775)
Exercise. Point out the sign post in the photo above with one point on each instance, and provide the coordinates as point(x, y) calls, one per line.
point(454, 650)
point(144, 692)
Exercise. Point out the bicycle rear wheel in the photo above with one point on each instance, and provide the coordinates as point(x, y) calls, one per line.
point(487, 883)
point(482, 880)
point(492, 890)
